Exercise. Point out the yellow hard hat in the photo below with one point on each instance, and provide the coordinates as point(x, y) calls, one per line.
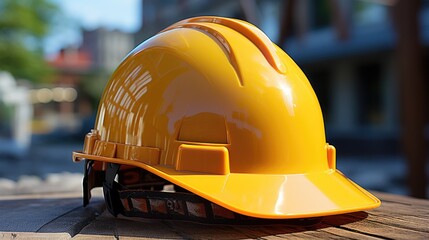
point(212, 106)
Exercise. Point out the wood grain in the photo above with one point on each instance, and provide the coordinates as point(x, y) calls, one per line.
point(62, 217)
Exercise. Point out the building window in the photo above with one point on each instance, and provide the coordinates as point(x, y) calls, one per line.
point(321, 14)
point(320, 80)
point(370, 99)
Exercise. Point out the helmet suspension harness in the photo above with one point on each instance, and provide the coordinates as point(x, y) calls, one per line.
point(142, 197)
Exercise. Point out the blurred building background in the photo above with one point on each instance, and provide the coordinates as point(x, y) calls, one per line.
point(367, 61)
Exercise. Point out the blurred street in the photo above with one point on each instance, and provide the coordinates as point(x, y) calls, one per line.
point(46, 168)
point(42, 158)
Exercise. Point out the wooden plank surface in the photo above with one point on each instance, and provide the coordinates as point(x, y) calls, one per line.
point(57, 216)
point(62, 217)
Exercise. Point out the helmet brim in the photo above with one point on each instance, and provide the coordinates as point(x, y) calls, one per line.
point(273, 196)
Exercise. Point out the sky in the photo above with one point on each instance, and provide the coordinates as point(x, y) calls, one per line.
point(90, 14)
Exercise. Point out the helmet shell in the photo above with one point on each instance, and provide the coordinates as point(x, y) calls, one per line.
point(212, 105)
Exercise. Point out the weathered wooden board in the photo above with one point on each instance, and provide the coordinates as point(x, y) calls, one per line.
point(62, 217)
point(58, 216)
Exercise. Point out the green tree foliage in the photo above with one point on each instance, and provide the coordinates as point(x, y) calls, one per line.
point(23, 25)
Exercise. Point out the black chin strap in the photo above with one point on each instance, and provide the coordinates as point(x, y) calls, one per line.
point(140, 195)
point(91, 180)
point(111, 190)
